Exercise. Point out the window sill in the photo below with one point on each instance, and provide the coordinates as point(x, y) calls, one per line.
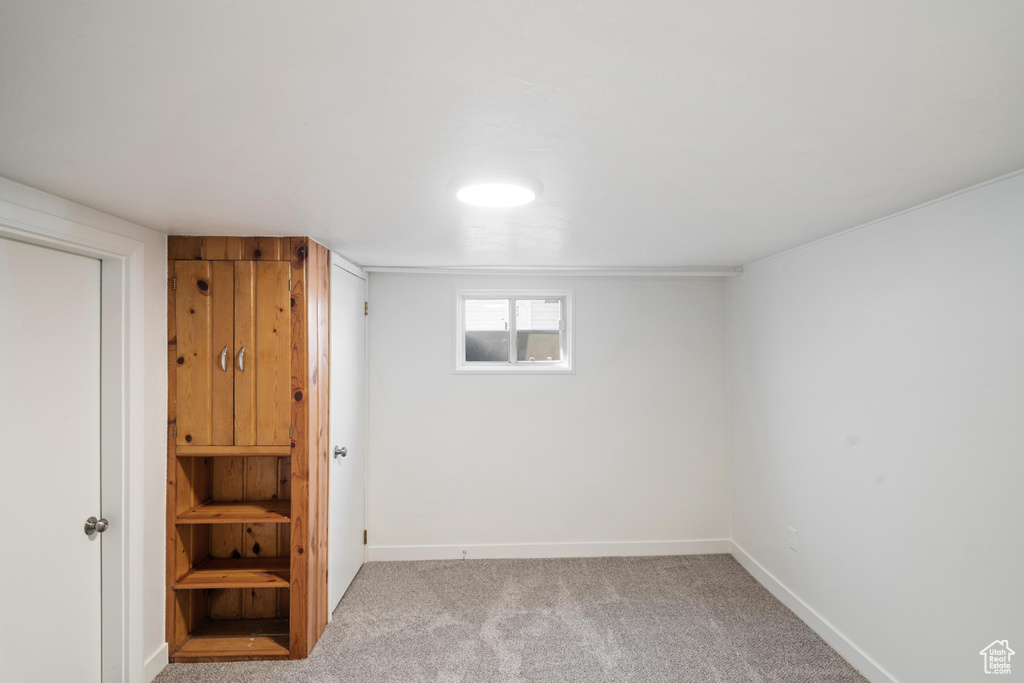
point(514, 369)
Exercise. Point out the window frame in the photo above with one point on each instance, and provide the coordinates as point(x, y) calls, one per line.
point(565, 366)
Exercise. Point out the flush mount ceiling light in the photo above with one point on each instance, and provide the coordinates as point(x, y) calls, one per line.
point(496, 195)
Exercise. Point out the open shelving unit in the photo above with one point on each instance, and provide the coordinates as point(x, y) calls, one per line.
point(232, 582)
point(247, 434)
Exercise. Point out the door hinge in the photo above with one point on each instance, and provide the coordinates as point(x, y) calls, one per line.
point(290, 432)
point(289, 284)
point(174, 283)
point(364, 536)
point(175, 432)
point(366, 308)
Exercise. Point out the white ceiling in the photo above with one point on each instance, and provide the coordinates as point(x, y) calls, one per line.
point(664, 132)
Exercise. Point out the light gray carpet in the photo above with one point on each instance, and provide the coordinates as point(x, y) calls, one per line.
point(644, 619)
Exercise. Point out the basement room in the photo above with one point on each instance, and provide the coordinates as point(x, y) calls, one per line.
point(511, 342)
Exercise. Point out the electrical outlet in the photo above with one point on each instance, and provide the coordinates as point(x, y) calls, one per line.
point(792, 539)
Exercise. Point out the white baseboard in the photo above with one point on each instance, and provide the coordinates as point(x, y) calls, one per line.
point(857, 658)
point(386, 553)
point(155, 663)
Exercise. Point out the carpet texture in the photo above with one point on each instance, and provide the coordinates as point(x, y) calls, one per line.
point(644, 619)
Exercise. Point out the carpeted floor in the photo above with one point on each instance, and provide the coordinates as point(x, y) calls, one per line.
point(642, 619)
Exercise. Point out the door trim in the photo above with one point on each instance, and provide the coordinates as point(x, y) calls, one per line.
point(121, 430)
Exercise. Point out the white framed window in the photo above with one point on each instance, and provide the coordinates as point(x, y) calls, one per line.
point(517, 331)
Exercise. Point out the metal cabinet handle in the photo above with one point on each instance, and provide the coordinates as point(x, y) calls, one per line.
point(93, 525)
point(241, 360)
point(224, 359)
point(342, 451)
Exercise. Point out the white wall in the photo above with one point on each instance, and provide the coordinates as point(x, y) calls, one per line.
point(154, 455)
point(877, 385)
point(632, 448)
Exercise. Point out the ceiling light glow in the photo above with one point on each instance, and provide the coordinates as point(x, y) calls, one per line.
point(496, 194)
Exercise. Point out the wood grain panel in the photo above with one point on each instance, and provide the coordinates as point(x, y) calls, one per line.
point(245, 338)
point(232, 451)
point(272, 349)
point(259, 603)
point(266, 512)
point(199, 607)
point(284, 537)
point(255, 573)
point(178, 605)
point(226, 539)
point(236, 640)
point(222, 399)
point(228, 480)
point(195, 360)
point(300, 580)
point(222, 248)
point(312, 448)
point(323, 377)
point(200, 480)
point(184, 248)
point(176, 624)
point(260, 539)
point(266, 248)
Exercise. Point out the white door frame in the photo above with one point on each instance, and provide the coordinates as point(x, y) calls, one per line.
point(121, 430)
point(346, 265)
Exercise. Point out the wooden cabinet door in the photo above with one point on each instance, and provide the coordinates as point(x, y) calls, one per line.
point(244, 353)
point(204, 313)
point(262, 359)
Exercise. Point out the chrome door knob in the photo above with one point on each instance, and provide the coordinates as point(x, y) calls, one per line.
point(94, 526)
point(340, 450)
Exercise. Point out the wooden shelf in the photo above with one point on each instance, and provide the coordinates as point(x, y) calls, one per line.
point(257, 512)
point(233, 451)
point(236, 639)
point(269, 572)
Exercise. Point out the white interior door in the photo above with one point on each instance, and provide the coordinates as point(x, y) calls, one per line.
point(49, 464)
point(348, 395)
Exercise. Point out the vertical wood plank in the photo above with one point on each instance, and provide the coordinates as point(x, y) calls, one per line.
point(222, 248)
point(260, 539)
point(272, 347)
point(299, 588)
point(245, 337)
point(312, 446)
point(226, 539)
point(199, 608)
point(222, 400)
point(195, 360)
point(177, 606)
point(323, 375)
point(284, 538)
point(199, 481)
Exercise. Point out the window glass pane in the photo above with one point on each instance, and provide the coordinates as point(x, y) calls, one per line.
point(538, 329)
point(487, 336)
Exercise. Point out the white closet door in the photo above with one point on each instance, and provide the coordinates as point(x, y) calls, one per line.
point(49, 464)
point(348, 396)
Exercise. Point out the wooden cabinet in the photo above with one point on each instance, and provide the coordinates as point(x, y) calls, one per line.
point(247, 447)
point(233, 334)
